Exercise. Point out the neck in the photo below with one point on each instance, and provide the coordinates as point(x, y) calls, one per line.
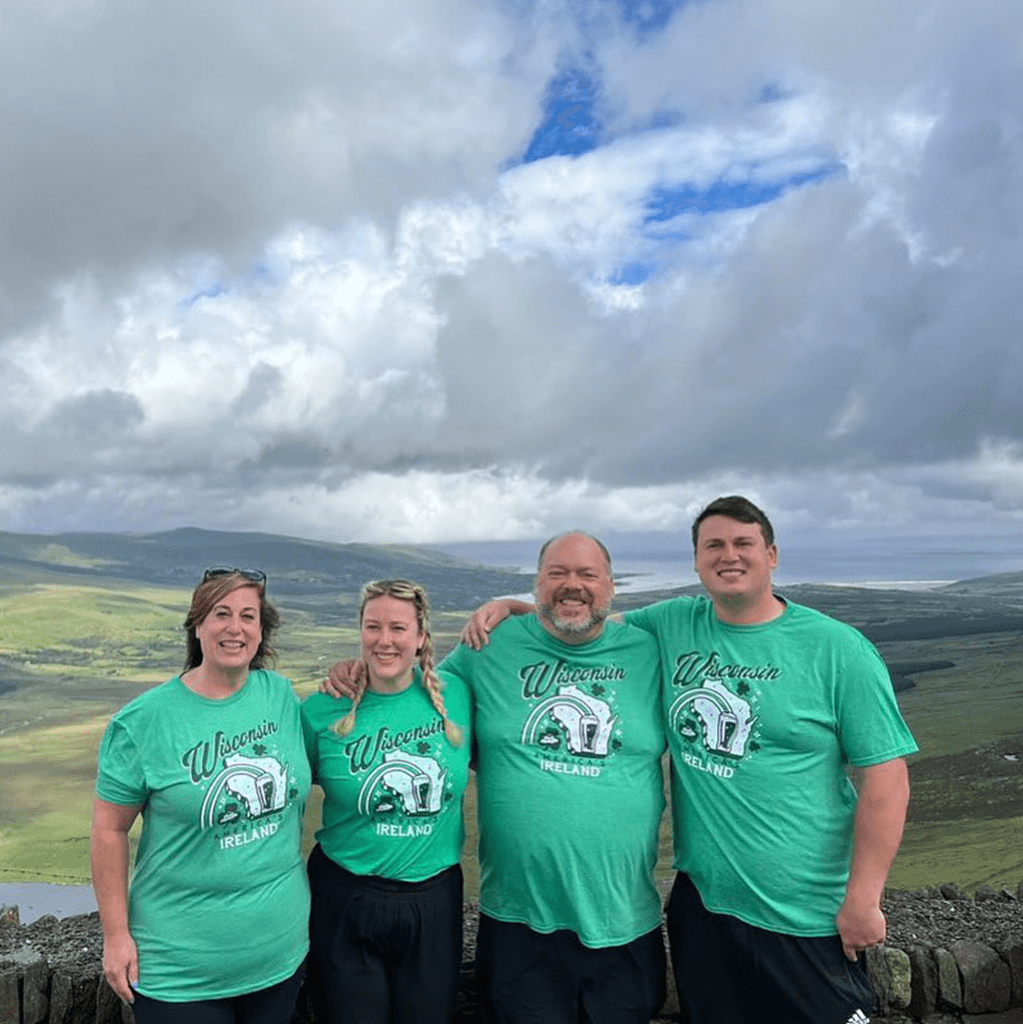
point(377, 685)
point(215, 683)
point(743, 613)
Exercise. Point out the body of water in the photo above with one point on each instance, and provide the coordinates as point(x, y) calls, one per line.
point(659, 561)
point(36, 899)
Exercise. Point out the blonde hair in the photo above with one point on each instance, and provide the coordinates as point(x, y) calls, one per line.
point(415, 594)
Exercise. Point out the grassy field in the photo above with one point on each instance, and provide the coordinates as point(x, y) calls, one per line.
point(76, 654)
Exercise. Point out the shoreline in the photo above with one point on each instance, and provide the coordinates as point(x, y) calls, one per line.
point(37, 899)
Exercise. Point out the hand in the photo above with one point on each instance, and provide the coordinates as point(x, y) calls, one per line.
point(475, 633)
point(121, 965)
point(344, 678)
point(859, 927)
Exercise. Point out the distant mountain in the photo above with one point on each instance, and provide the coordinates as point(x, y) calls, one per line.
point(992, 604)
point(323, 579)
point(1004, 584)
point(296, 569)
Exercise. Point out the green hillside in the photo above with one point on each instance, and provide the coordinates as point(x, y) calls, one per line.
point(313, 575)
point(89, 621)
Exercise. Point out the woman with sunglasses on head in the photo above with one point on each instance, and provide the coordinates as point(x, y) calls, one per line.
point(214, 930)
point(386, 922)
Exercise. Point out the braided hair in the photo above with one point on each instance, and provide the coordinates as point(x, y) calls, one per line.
point(415, 594)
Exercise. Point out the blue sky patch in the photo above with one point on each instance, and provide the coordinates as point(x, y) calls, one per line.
point(569, 126)
point(631, 273)
point(668, 203)
point(648, 16)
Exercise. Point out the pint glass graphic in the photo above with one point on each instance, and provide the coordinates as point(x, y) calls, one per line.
point(266, 790)
point(589, 729)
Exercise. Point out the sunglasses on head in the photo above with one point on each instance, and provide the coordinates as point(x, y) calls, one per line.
point(256, 575)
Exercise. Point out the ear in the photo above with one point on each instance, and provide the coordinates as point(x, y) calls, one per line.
point(772, 556)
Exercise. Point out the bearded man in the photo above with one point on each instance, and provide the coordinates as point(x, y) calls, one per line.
point(570, 737)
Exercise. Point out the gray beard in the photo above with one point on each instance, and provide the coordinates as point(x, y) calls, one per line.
point(574, 629)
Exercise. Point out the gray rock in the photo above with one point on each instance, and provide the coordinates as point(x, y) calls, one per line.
point(985, 892)
point(10, 1001)
point(61, 994)
point(923, 981)
point(1011, 951)
point(987, 981)
point(108, 1004)
point(83, 1000)
point(950, 988)
point(889, 975)
point(951, 891)
point(1010, 1017)
point(35, 1004)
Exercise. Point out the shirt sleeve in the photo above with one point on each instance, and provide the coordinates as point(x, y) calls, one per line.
point(456, 665)
point(871, 727)
point(309, 737)
point(644, 618)
point(121, 778)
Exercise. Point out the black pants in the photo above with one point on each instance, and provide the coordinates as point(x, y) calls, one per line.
point(273, 1005)
point(525, 977)
point(381, 951)
point(727, 970)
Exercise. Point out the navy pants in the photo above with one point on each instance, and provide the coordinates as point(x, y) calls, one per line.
point(273, 1005)
point(383, 951)
point(727, 970)
point(525, 977)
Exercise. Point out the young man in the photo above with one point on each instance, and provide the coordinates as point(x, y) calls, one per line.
point(781, 864)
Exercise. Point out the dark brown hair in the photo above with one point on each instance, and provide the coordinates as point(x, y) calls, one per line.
point(208, 595)
point(736, 507)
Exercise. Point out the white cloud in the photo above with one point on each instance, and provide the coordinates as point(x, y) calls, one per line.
point(268, 267)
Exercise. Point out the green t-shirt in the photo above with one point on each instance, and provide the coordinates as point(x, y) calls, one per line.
point(393, 786)
point(219, 899)
point(570, 785)
point(762, 721)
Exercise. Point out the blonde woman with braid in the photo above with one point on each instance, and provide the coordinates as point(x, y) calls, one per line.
point(393, 762)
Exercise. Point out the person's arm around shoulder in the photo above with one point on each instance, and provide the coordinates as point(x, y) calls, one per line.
point(476, 632)
point(109, 854)
point(877, 832)
point(344, 678)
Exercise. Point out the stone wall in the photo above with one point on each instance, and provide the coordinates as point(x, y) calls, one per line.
point(947, 953)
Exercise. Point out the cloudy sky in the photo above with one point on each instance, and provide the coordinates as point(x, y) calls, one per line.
point(439, 270)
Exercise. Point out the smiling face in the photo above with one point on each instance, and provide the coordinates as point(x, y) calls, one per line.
point(573, 589)
point(734, 563)
point(230, 634)
point(391, 636)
